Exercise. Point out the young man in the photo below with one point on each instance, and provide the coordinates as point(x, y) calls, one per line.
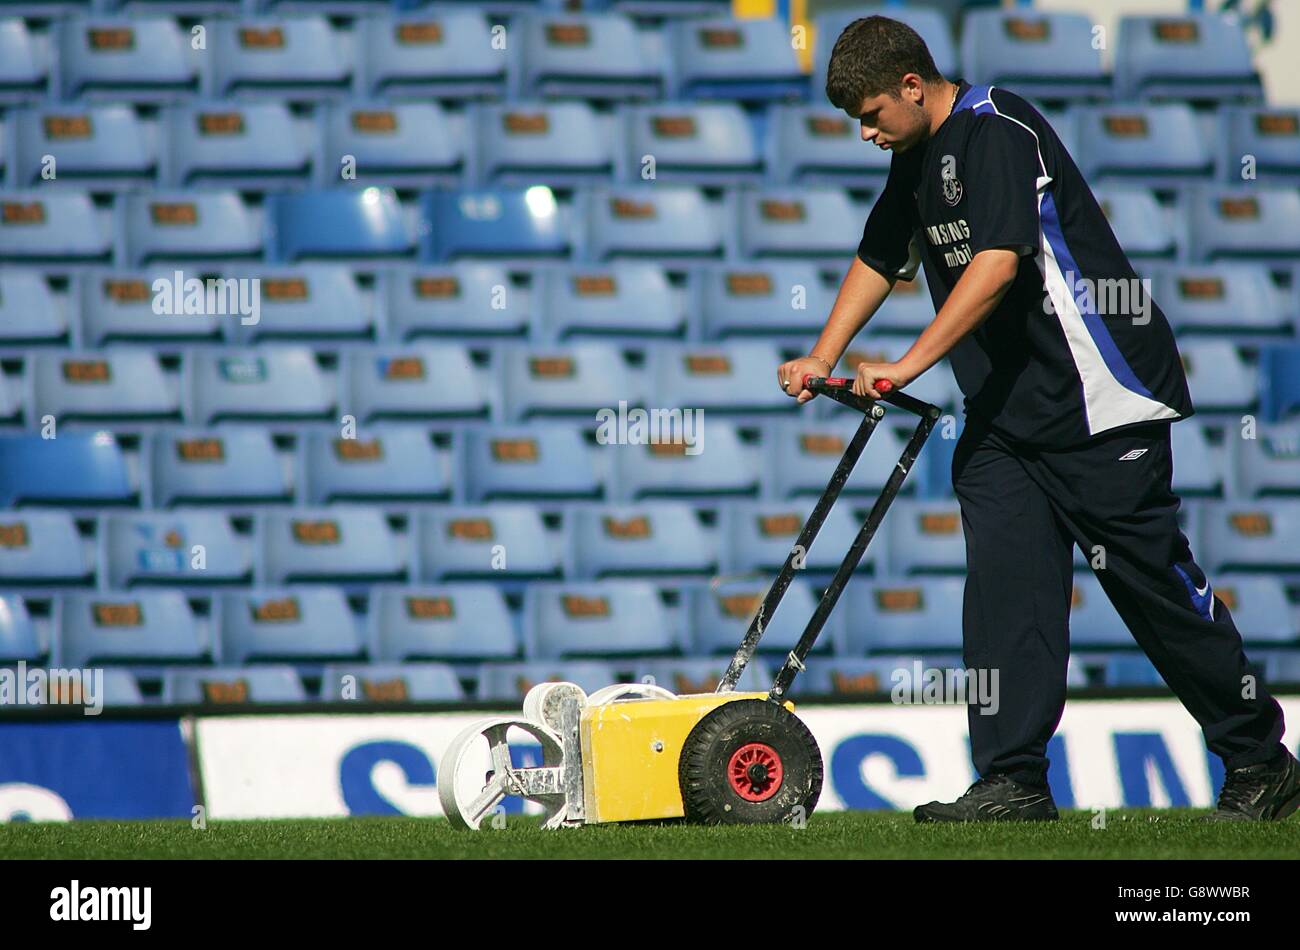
point(1068, 412)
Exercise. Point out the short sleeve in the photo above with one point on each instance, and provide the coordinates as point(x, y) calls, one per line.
point(1002, 178)
point(886, 244)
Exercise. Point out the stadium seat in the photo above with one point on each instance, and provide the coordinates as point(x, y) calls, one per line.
point(1038, 54)
point(93, 146)
point(1134, 671)
point(20, 638)
point(295, 625)
point(144, 59)
point(10, 402)
point(101, 385)
point(430, 53)
point(819, 144)
point(24, 75)
point(232, 686)
point(907, 310)
point(265, 383)
point(177, 547)
point(124, 307)
point(146, 628)
point(575, 380)
point(1269, 463)
point(1156, 146)
point(1259, 608)
point(1191, 56)
point(819, 223)
point(1265, 139)
point(758, 536)
point(695, 675)
point(452, 622)
point(29, 311)
point(771, 299)
point(502, 224)
point(623, 300)
point(42, 547)
point(1283, 668)
point(404, 144)
point(744, 59)
point(1254, 222)
point(669, 223)
point(702, 143)
point(928, 22)
point(248, 145)
point(529, 143)
point(193, 226)
point(720, 615)
point(735, 377)
point(672, 463)
point(385, 465)
point(584, 56)
point(1142, 227)
point(802, 454)
point(470, 302)
point(660, 539)
point(1280, 381)
point(120, 689)
point(77, 468)
point(232, 465)
point(488, 541)
point(537, 461)
point(392, 683)
point(1219, 379)
point(421, 381)
point(1094, 622)
point(340, 223)
point(510, 682)
point(316, 301)
point(299, 57)
point(56, 227)
point(1225, 299)
point(894, 616)
point(1200, 466)
point(925, 537)
point(576, 620)
point(1252, 535)
point(339, 543)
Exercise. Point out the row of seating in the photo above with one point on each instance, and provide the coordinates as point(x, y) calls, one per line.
point(673, 223)
point(599, 55)
point(267, 146)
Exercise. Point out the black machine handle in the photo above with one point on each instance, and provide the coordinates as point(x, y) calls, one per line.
point(839, 389)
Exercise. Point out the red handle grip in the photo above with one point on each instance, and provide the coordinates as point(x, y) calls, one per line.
point(880, 385)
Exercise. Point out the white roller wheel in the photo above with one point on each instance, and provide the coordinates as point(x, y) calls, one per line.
point(476, 774)
point(629, 691)
point(544, 701)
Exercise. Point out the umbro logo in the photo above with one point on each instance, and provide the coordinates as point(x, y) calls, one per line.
point(1130, 456)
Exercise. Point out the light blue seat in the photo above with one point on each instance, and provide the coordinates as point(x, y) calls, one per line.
point(528, 143)
point(907, 310)
point(537, 461)
point(92, 146)
point(107, 385)
point(1280, 381)
point(1283, 668)
point(719, 617)
point(901, 616)
point(29, 312)
point(232, 465)
point(392, 683)
point(193, 226)
point(624, 299)
point(268, 382)
point(820, 222)
point(11, 408)
point(340, 223)
point(577, 619)
point(500, 542)
point(704, 143)
point(420, 381)
point(929, 23)
point(124, 58)
point(758, 536)
point(587, 56)
point(744, 59)
point(735, 377)
point(1200, 466)
point(1269, 464)
point(249, 145)
point(452, 622)
point(1270, 135)
point(926, 537)
point(1192, 56)
point(1142, 227)
point(436, 53)
point(316, 301)
point(382, 465)
point(406, 144)
point(296, 625)
point(339, 543)
point(42, 547)
point(576, 380)
point(660, 539)
point(1036, 54)
point(1256, 535)
point(1218, 377)
point(467, 301)
point(1094, 622)
point(802, 454)
point(294, 57)
point(501, 223)
point(232, 686)
point(145, 628)
point(176, 547)
point(692, 676)
point(509, 683)
point(56, 227)
point(20, 638)
point(665, 222)
point(1131, 670)
point(819, 144)
point(666, 8)
point(1229, 298)
point(1152, 145)
point(24, 74)
point(1260, 608)
point(854, 678)
point(77, 468)
point(773, 299)
point(119, 306)
point(120, 689)
point(1253, 222)
point(676, 466)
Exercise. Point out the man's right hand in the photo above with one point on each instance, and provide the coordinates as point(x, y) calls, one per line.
point(789, 376)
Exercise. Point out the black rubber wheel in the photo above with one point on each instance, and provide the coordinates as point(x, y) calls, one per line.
point(749, 762)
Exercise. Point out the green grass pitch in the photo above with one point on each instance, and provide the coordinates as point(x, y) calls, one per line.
point(1128, 834)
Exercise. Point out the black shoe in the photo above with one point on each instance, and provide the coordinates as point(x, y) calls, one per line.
point(996, 798)
point(1264, 792)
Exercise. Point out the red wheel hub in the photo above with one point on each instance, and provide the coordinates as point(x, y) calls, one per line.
point(755, 772)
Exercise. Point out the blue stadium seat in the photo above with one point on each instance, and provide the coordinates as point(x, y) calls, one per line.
point(586, 56)
point(578, 379)
point(625, 299)
point(1219, 379)
point(263, 383)
point(758, 536)
point(801, 455)
point(470, 302)
point(175, 547)
point(42, 547)
point(530, 461)
point(1283, 668)
point(528, 143)
point(510, 682)
point(122, 58)
point(1259, 608)
point(194, 226)
point(435, 53)
point(1280, 381)
point(1190, 56)
point(52, 227)
point(666, 8)
point(1141, 226)
point(453, 622)
point(736, 377)
point(749, 59)
point(854, 678)
point(660, 539)
point(232, 686)
point(821, 222)
point(1131, 671)
point(819, 144)
point(146, 628)
point(1252, 535)
point(121, 307)
point(392, 683)
point(772, 299)
point(10, 403)
point(297, 625)
point(253, 145)
point(1269, 464)
point(299, 57)
point(1244, 221)
point(1039, 55)
point(1152, 145)
point(1094, 621)
point(339, 543)
point(414, 382)
point(696, 675)
point(116, 688)
point(500, 542)
point(675, 466)
point(340, 223)
point(20, 638)
point(92, 146)
point(120, 689)
point(405, 144)
point(575, 620)
point(233, 465)
point(1235, 299)
point(382, 464)
point(719, 617)
point(907, 310)
point(1269, 135)
point(77, 468)
point(24, 74)
point(496, 223)
point(895, 616)
point(101, 385)
point(316, 301)
point(930, 23)
point(1200, 466)
point(665, 222)
point(703, 143)
point(29, 312)
point(925, 537)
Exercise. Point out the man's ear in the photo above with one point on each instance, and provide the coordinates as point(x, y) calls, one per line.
point(913, 88)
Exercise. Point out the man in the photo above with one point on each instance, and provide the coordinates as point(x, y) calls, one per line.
point(1068, 411)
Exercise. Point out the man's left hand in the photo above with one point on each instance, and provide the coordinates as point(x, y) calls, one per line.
point(869, 373)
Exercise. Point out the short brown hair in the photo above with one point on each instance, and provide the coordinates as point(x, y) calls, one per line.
point(872, 56)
